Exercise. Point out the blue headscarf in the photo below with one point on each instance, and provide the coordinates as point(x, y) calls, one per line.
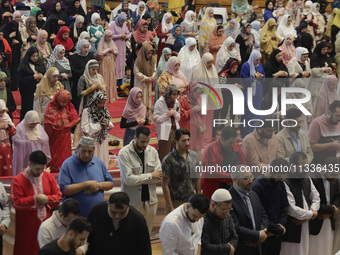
point(180, 38)
point(121, 17)
point(255, 25)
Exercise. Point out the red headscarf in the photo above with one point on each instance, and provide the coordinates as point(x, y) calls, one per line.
point(68, 44)
point(139, 36)
point(61, 117)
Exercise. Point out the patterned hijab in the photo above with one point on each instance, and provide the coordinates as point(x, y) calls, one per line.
point(80, 45)
point(64, 62)
point(169, 90)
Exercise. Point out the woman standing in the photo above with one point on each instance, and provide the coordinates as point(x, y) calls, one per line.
point(6, 12)
point(335, 28)
point(226, 52)
point(145, 72)
point(63, 38)
point(233, 29)
point(288, 49)
point(207, 25)
point(56, 18)
point(268, 13)
point(96, 123)
point(29, 35)
point(189, 57)
point(176, 40)
point(40, 19)
point(161, 67)
point(95, 30)
point(31, 70)
point(216, 40)
point(6, 95)
point(120, 35)
point(269, 39)
point(134, 115)
point(74, 11)
point(58, 60)
point(46, 89)
point(108, 52)
point(43, 46)
point(189, 26)
point(77, 28)
point(299, 66)
point(59, 118)
point(286, 27)
point(255, 28)
point(163, 32)
point(30, 136)
point(246, 42)
point(318, 19)
point(139, 12)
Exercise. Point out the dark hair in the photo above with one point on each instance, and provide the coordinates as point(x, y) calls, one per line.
point(266, 121)
point(79, 225)
point(326, 38)
point(142, 130)
point(293, 113)
point(119, 199)
point(219, 27)
point(295, 157)
point(335, 104)
point(69, 206)
point(279, 162)
point(200, 202)
point(181, 131)
point(38, 158)
point(228, 132)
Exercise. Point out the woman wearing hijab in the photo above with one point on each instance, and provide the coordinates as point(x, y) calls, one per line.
point(140, 35)
point(7, 130)
point(30, 136)
point(216, 40)
point(255, 28)
point(305, 39)
point(326, 96)
point(207, 25)
point(335, 28)
point(44, 47)
point(206, 73)
point(120, 35)
point(128, 13)
point(189, 57)
point(46, 89)
point(254, 72)
point(5, 48)
point(145, 73)
point(320, 69)
point(134, 115)
point(240, 7)
point(268, 13)
point(139, 12)
point(189, 26)
point(299, 66)
point(6, 12)
point(63, 38)
point(286, 27)
point(31, 70)
point(29, 35)
point(96, 123)
point(6, 95)
point(56, 18)
point(318, 19)
point(288, 49)
point(108, 52)
point(176, 40)
point(13, 37)
point(246, 42)
point(95, 30)
point(77, 28)
point(17, 17)
point(161, 67)
point(337, 54)
point(172, 75)
point(59, 118)
point(40, 19)
point(74, 11)
point(93, 51)
point(163, 32)
point(166, 117)
point(269, 39)
point(78, 61)
point(58, 60)
point(233, 29)
point(148, 19)
point(274, 67)
point(227, 51)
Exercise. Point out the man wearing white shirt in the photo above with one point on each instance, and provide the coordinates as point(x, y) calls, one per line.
point(181, 230)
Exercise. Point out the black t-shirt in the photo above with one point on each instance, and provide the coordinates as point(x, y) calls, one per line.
point(145, 187)
point(52, 248)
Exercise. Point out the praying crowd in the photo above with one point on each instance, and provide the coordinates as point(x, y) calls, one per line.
point(71, 63)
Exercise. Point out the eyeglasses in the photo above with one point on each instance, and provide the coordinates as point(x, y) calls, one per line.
point(225, 211)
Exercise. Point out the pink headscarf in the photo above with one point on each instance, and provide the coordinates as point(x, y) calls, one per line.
point(178, 78)
point(132, 110)
point(326, 96)
point(103, 44)
point(289, 49)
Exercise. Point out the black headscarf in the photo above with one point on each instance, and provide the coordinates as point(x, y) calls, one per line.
point(227, 68)
point(317, 59)
point(24, 67)
point(41, 23)
point(267, 3)
point(4, 9)
point(58, 14)
point(72, 10)
point(272, 66)
point(12, 26)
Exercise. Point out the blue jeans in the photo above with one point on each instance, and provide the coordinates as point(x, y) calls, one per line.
point(128, 136)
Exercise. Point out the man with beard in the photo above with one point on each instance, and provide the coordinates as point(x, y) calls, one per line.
point(293, 138)
point(84, 177)
point(272, 193)
point(324, 134)
point(261, 147)
point(140, 170)
point(304, 203)
point(219, 234)
point(181, 230)
point(76, 234)
point(250, 218)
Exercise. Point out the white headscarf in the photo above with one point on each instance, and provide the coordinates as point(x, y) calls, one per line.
point(307, 3)
point(94, 16)
point(283, 29)
point(95, 78)
point(299, 51)
point(137, 10)
point(32, 117)
point(80, 44)
point(233, 32)
point(255, 54)
point(78, 20)
point(189, 59)
point(6, 119)
point(166, 28)
point(313, 9)
point(190, 22)
point(224, 54)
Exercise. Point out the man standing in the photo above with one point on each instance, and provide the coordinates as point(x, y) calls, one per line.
point(304, 203)
point(250, 219)
point(118, 228)
point(219, 234)
point(272, 193)
point(224, 152)
point(293, 138)
point(84, 177)
point(324, 134)
point(179, 180)
point(76, 234)
point(181, 230)
point(140, 170)
point(34, 193)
